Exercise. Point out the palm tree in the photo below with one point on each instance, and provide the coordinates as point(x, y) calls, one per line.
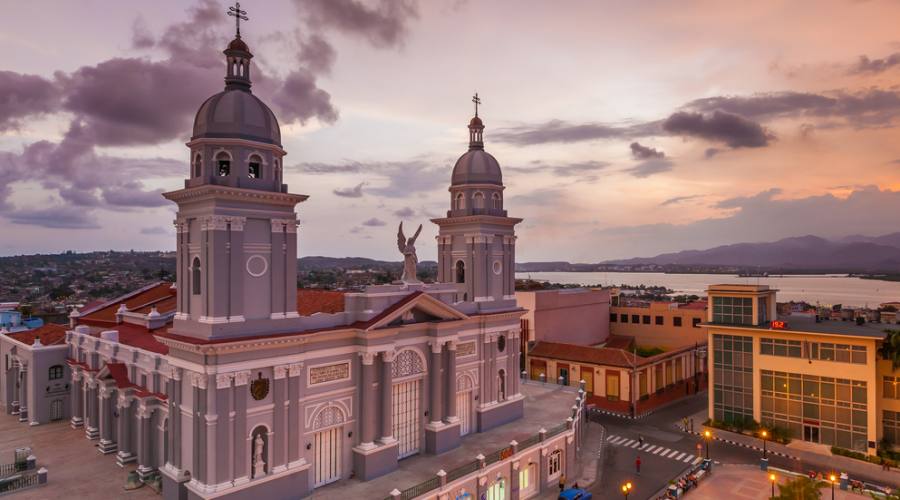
point(890, 347)
point(801, 488)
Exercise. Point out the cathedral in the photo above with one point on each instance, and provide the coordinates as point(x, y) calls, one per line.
point(232, 383)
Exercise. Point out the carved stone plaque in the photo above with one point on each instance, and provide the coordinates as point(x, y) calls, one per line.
point(329, 373)
point(466, 349)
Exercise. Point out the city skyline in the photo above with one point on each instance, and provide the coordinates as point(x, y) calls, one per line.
point(628, 130)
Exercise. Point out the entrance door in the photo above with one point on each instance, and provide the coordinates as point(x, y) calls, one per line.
point(407, 423)
point(56, 409)
point(811, 433)
point(464, 409)
point(612, 385)
point(563, 377)
point(587, 374)
point(328, 452)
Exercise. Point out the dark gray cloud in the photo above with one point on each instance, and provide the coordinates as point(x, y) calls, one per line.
point(374, 222)
point(584, 170)
point(404, 212)
point(316, 53)
point(558, 131)
point(383, 23)
point(710, 152)
point(733, 130)
point(641, 152)
point(298, 98)
point(58, 217)
point(650, 167)
point(866, 65)
point(350, 192)
point(132, 194)
point(23, 96)
point(393, 179)
point(743, 201)
point(154, 230)
point(679, 199)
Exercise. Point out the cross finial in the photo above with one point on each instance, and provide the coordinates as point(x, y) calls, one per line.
point(238, 14)
point(477, 101)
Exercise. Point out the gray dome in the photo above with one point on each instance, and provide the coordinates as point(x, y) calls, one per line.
point(236, 114)
point(477, 166)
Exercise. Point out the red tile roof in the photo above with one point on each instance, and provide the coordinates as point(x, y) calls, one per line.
point(311, 301)
point(140, 337)
point(50, 334)
point(619, 342)
point(581, 354)
point(139, 299)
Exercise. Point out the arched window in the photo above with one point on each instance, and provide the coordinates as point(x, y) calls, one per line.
point(497, 490)
point(195, 276)
point(497, 202)
point(55, 372)
point(223, 162)
point(460, 202)
point(254, 168)
point(479, 200)
point(277, 172)
point(198, 164)
point(460, 272)
point(501, 385)
point(554, 464)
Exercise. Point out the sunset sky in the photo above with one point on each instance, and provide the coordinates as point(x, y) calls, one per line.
point(624, 129)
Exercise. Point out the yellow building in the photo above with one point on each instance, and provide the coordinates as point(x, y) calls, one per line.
point(667, 325)
point(821, 379)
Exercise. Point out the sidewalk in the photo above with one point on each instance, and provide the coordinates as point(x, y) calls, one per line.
point(588, 461)
point(749, 483)
point(797, 451)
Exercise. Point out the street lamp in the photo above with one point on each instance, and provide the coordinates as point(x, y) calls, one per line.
point(832, 478)
point(772, 479)
point(764, 434)
point(626, 489)
point(707, 436)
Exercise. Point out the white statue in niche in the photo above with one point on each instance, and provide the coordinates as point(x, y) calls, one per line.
point(259, 465)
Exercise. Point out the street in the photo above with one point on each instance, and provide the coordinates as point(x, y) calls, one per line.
point(667, 451)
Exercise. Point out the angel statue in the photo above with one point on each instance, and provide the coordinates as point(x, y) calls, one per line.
point(408, 249)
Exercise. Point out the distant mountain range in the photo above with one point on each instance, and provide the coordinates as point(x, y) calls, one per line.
point(803, 253)
point(320, 263)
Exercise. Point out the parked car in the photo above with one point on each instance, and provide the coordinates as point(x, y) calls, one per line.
point(575, 494)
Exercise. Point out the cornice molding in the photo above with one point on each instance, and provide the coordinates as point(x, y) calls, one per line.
point(210, 191)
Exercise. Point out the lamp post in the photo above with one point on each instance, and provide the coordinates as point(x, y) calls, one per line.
point(772, 479)
point(626, 489)
point(764, 434)
point(832, 478)
point(707, 436)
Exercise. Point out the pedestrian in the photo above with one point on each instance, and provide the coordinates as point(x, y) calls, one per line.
point(641, 441)
point(684, 424)
point(562, 482)
point(637, 465)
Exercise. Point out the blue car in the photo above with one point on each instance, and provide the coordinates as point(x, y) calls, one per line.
point(575, 494)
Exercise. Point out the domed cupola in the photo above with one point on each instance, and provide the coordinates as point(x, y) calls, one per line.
point(236, 140)
point(476, 186)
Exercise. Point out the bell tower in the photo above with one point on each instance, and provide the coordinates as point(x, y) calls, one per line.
point(476, 240)
point(236, 224)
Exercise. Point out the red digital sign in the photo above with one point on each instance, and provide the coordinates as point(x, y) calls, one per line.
point(779, 325)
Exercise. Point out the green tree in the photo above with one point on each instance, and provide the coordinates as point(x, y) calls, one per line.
point(890, 348)
point(801, 488)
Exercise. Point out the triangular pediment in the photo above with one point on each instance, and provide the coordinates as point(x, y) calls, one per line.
point(422, 308)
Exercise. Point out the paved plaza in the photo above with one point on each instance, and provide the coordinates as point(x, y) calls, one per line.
point(78, 470)
point(75, 468)
point(545, 406)
point(745, 482)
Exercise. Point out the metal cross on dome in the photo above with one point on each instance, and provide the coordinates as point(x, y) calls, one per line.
point(477, 101)
point(237, 14)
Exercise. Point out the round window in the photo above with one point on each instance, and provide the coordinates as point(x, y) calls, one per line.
point(498, 267)
point(501, 343)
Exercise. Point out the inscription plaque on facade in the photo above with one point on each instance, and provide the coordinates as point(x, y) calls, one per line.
point(329, 373)
point(467, 349)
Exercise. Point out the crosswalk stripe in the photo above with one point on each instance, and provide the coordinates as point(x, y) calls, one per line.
point(636, 444)
point(688, 458)
point(661, 449)
point(610, 438)
point(697, 460)
point(670, 455)
point(679, 457)
point(650, 449)
point(619, 440)
point(628, 442)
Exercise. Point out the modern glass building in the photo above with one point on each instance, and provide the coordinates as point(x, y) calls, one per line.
point(820, 379)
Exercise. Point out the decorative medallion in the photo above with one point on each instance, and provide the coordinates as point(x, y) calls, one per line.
point(259, 388)
point(257, 265)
